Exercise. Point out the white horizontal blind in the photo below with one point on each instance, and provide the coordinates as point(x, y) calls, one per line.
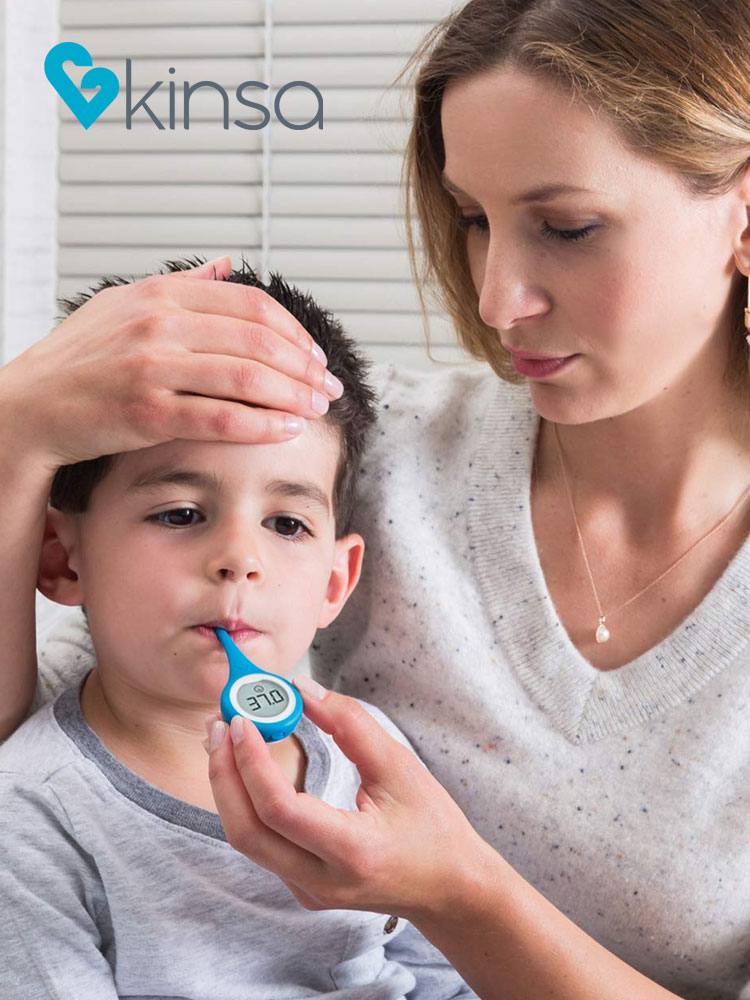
point(333, 224)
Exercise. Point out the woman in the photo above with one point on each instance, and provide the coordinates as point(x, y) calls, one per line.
point(554, 601)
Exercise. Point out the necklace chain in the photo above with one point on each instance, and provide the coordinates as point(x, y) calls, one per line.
point(602, 632)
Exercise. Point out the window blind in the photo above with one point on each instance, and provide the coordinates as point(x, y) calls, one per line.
point(321, 206)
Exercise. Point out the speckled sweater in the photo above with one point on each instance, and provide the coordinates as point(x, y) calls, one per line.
point(623, 796)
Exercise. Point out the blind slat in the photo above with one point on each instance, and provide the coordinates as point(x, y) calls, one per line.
point(339, 296)
point(246, 39)
point(298, 265)
point(364, 137)
point(225, 167)
point(83, 13)
point(228, 199)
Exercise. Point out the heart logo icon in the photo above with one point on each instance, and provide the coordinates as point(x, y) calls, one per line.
point(109, 86)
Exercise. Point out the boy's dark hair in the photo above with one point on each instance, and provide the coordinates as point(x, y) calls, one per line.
point(351, 416)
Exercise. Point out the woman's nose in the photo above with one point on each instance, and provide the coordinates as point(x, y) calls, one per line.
point(505, 295)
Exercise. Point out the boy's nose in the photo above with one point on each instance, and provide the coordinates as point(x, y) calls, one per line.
point(234, 561)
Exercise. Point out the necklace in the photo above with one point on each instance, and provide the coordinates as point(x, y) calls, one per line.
point(602, 632)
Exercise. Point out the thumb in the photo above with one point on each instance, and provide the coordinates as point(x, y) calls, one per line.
point(221, 267)
point(357, 734)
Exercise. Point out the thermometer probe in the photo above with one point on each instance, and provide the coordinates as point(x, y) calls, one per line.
point(269, 701)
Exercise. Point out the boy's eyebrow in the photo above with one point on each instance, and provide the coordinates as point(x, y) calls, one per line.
point(162, 476)
point(165, 476)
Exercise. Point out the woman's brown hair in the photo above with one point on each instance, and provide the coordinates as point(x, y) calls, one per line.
point(672, 76)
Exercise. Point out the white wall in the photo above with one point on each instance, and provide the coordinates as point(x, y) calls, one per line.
point(28, 175)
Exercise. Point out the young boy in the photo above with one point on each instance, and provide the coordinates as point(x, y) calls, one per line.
point(117, 880)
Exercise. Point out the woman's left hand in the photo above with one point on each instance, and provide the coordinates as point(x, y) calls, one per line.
point(400, 853)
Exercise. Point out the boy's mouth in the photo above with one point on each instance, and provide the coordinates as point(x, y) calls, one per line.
point(240, 631)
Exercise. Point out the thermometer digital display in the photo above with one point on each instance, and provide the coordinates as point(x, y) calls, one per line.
point(268, 700)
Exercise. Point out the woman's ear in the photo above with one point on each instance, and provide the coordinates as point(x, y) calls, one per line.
point(56, 580)
point(347, 566)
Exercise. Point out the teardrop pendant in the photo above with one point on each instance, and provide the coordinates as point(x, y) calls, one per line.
point(602, 633)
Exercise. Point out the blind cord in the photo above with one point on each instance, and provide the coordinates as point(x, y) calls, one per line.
point(266, 156)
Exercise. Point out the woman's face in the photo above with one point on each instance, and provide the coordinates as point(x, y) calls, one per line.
point(638, 286)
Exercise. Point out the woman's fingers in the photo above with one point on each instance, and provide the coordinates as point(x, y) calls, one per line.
point(246, 342)
point(239, 380)
point(244, 302)
point(200, 418)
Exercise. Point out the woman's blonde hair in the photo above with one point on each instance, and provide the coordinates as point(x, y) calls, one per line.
point(672, 76)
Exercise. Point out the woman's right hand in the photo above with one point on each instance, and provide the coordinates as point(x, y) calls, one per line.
point(171, 356)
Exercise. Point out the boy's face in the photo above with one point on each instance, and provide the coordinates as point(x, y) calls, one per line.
point(188, 534)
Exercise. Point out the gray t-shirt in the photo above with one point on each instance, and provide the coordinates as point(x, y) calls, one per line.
point(112, 888)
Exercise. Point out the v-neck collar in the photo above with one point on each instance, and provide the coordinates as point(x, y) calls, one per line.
point(585, 703)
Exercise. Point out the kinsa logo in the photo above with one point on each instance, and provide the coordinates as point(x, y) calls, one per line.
point(88, 110)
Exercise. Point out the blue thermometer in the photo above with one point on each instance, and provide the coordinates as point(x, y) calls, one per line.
point(269, 701)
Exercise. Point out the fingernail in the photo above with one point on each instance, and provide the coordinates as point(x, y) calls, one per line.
point(319, 402)
point(294, 425)
point(206, 746)
point(237, 728)
point(218, 729)
point(208, 722)
point(317, 353)
point(310, 687)
point(333, 386)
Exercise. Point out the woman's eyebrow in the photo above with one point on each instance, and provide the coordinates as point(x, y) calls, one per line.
point(546, 192)
point(164, 476)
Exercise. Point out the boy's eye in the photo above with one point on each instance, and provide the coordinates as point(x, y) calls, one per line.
point(179, 517)
point(185, 517)
point(288, 527)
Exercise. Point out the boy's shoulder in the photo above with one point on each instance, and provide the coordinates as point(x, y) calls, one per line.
point(38, 766)
point(38, 748)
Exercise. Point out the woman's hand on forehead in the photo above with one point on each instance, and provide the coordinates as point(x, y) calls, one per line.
point(171, 356)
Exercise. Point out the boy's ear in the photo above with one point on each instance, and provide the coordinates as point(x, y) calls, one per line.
point(344, 576)
point(56, 580)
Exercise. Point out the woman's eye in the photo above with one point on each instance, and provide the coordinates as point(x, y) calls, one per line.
point(178, 517)
point(547, 231)
point(566, 234)
point(288, 527)
point(480, 221)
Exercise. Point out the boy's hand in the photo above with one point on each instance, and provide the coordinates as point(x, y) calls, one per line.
point(172, 356)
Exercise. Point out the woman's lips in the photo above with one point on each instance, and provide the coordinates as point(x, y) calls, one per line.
point(540, 369)
point(238, 635)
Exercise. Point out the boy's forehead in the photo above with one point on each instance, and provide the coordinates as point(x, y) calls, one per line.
point(311, 457)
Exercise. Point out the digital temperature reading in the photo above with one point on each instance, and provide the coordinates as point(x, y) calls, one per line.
point(263, 699)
